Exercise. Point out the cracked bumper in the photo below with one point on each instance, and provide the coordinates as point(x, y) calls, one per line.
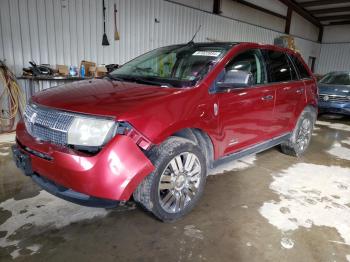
point(114, 173)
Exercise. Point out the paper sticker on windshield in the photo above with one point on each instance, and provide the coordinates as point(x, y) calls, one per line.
point(206, 53)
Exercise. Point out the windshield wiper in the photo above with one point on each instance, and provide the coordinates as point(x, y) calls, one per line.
point(149, 82)
point(115, 78)
point(137, 80)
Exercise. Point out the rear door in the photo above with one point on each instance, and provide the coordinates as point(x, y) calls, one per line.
point(289, 90)
point(311, 91)
point(246, 114)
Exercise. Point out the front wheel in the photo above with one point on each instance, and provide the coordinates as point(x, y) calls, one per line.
point(177, 183)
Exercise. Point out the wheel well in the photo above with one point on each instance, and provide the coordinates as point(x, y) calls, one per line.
point(201, 139)
point(313, 109)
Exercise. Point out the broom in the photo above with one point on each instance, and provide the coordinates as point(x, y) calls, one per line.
point(116, 33)
point(104, 37)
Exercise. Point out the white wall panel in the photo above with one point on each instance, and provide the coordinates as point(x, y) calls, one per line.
point(334, 57)
point(307, 49)
point(273, 5)
point(301, 27)
point(241, 12)
point(68, 31)
point(206, 5)
point(336, 34)
point(7, 32)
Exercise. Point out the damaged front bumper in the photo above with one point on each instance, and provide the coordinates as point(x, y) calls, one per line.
point(111, 175)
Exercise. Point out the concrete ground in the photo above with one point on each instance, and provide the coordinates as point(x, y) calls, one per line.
point(268, 207)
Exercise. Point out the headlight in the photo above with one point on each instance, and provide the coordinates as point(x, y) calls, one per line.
point(85, 131)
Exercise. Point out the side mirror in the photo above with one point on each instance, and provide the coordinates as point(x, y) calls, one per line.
point(235, 79)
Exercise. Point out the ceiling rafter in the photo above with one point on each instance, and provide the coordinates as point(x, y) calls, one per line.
point(301, 11)
point(334, 17)
point(262, 9)
point(330, 10)
point(345, 22)
point(322, 2)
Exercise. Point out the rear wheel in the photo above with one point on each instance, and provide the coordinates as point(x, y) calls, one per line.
point(177, 183)
point(301, 136)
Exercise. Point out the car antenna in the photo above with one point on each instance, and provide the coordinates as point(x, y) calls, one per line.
point(194, 36)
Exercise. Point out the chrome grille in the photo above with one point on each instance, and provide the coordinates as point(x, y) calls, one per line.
point(334, 98)
point(47, 124)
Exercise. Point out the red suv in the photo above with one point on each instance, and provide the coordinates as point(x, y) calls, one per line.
point(152, 128)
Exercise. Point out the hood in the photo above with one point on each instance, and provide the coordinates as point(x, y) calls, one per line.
point(342, 90)
point(103, 97)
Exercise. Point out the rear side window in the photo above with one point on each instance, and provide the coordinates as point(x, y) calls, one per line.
point(303, 73)
point(278, 66)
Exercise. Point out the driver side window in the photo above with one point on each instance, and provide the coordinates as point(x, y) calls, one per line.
point(250, 62)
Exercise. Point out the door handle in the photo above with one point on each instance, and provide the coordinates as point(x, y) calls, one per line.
point(299, 91)
point(269, 97)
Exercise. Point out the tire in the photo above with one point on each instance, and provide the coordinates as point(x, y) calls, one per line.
point(301, 136)
point(183, 188)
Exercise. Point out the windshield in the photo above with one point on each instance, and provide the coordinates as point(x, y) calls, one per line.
point(336, 79)
point(172, 66)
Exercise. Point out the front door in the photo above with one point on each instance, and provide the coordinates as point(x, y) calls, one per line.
point(246, 114)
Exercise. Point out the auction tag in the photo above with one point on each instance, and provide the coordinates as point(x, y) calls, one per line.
point(206, 53)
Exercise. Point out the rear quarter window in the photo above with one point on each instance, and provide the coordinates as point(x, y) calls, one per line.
point(303, 72)
point(278, 66)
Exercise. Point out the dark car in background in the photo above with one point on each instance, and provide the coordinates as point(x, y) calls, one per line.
point(334, 90)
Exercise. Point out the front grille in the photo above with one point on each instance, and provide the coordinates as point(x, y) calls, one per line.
point(334, 98)
point(47, 124)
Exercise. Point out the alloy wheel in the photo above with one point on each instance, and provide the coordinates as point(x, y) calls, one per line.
point(304, 134)
point(179, 182)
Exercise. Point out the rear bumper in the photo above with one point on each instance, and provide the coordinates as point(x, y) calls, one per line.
point(112, 174)
point(331, 107)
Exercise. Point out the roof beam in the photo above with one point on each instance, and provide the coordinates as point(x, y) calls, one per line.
point(301, 11)
point(288, 21)
point(334, 17)
point(217, 7)
point(320, 34)
point(322, 2)
point(330, 10)
point(346, 22)
point(262, 9)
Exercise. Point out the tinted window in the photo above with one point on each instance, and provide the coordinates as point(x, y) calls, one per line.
point(293, 70)
point(300, 67)
point(180, 65)
point(250, 61)
point(278, 66)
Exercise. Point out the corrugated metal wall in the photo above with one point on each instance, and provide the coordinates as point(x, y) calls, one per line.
point(334, 57)
point(68, 31)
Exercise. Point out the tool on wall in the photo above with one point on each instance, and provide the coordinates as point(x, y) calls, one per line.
point(104, 37)
point(116, 33)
